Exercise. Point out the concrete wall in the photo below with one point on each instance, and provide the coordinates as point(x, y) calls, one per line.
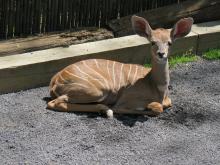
point(34, 69)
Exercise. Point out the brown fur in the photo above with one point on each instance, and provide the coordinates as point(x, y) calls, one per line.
point(98, 85)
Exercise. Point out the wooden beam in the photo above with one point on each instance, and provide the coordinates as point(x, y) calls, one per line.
point(23, 45)
point(200, 10)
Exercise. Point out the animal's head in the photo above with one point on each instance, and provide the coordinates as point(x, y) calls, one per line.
point(161, 39)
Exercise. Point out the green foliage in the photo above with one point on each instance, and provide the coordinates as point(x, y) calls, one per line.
point(213, 54)
point(147, 65)
point(182, 59)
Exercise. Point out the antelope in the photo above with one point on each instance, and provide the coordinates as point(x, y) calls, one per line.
point(104, 86)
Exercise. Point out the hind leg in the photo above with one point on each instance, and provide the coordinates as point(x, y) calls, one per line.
point(61, 104)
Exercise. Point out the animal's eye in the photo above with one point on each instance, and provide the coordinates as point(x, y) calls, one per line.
point(153, 43)
point(169, 43)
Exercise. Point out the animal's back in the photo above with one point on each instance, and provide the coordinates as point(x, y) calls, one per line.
point(95, 80)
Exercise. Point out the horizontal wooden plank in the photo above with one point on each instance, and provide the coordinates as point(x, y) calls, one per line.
point(201, 11)
point(186, 44)
point(29, 70)
point(34, 69)
point(22, 45)
point(98, 47)
point(209, 35)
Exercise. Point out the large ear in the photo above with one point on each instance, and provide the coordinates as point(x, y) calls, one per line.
point(141, 26)
point(182, 28)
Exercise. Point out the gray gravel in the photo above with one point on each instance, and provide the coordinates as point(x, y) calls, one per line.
point(189, 133)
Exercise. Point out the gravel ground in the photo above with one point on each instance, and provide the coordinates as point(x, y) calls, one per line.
point(189, 133)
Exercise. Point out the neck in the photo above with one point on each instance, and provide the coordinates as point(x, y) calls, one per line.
point(160, 73)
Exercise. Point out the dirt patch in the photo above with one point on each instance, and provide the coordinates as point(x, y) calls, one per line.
point(188, 133)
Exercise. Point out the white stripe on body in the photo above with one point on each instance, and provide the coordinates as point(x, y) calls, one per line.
point(104, 78)
point(113, 74)
point(99, 75)
point(82, 79)
point(106, 82)
point(108, 68)
point(135, 74)
point(110, 78)
point(74, 83)
point(89, 76)
point(54, 91)
point(130, 67)
point(119, 86)
point(142, 70)
point(54, 86)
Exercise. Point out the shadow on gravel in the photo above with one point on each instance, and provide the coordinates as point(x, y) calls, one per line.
point(47, 99)
point(130, 121)
point(190, 117)
point(127, 120)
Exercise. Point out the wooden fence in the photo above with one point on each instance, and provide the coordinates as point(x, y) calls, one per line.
point(29, 17)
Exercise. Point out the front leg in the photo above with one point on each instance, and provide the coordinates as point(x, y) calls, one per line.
point(155, 108)
point(167, 102)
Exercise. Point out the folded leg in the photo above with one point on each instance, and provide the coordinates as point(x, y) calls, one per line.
point(167, 102)
point(61, 104)
point(155, 108)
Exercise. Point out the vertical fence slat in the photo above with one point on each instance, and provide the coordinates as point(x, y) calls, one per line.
point(47, 15)
point(78, 2)
point(73, 20)
point(65, 11)
point(107, 12)
point(70, 14)
point(104, 13)
point(92, 13)
point(17, 19)
point(87, 12)
point(43, 15)
point(59, 7)
point(29, 17)
point(54, 6)
point(1, 18)
point(22, 17)
point(25, 17)
point(7, 18)
point(24, 12)
point(10, 18)
point(36, 17)
point(3, 8)
point(81, 12)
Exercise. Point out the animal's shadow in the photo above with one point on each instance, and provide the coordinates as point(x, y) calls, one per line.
point(127, 120)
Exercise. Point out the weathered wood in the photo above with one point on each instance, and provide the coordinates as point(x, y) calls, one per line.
point(24, 71)
point(201, 11)
point(34, 69)
point(209, 36)
point(27, 17)
point(23, 45)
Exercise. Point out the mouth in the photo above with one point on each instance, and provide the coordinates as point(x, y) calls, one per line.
point(161, 58)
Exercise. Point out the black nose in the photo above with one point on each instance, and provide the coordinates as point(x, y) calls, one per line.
point(160, 54)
